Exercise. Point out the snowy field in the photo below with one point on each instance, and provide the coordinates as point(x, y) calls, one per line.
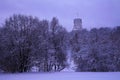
point(63, 76)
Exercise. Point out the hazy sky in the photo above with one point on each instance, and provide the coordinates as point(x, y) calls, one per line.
point(94, 13)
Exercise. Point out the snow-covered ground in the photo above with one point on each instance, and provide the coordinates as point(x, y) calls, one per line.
point(63, 76)
point(71, 65)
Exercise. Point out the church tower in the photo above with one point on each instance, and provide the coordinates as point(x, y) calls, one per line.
point(77, 24)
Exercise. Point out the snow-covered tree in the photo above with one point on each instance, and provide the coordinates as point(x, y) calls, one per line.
point(58, 44)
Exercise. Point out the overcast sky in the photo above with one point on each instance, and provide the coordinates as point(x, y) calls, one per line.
point(94, 13)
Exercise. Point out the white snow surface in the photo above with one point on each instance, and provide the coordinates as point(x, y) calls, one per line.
point(63, 76)
point(71, 65)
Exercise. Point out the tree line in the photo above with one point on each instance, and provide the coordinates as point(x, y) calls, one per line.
point(96, 50)
point(27, 42)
